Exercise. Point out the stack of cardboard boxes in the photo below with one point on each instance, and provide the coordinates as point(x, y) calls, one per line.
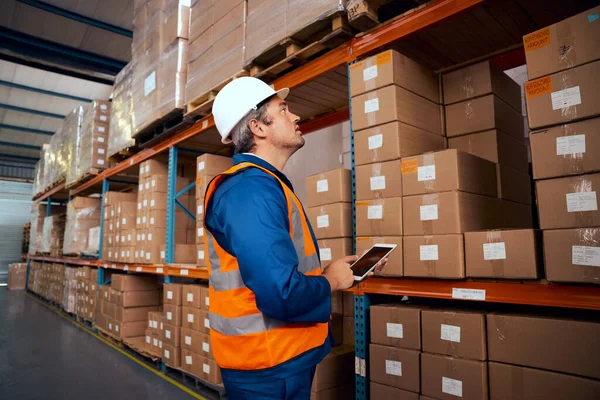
point(93, 142)
point(563, 108)
point(153, 344)
point(125, 304)
point(121, 121)
point(83, 214)
point(69, 299)
point(396, 114)
point(207, 167)
point(111, 248)
point(334, 376)
point(17, 276)
point(86, 299)
point(53, 235)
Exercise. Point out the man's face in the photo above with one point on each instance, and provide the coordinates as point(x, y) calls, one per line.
point(284, 130)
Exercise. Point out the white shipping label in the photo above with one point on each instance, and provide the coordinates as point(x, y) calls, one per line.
point(200, 209)
point(426, 173)
point(372, 105)
point(190, 297)
point(452, 386)
point(201, 165)
point(101, 151)
point(451, 333)
point(147, 185)
point(205, 347)
point(169, 293)
point(169, 315)
point(188, 360)
point(162, 254)
point(183, 272)
point(188, 340)
point(152, 221)
point(582, 201)
point(167, 354)
point(393, 367)
point(375, 212)
point(200, 232)
point(151, 203)
point(201, 254)
point(100, 138)
point(206, 323)
point(159, 270)
point(206, 368)
point(191, 318)
point(110, 326)
point(322, 186)
point(149, 237)
point(566, 98)
point(147, 168)
point(494, 251)
point(168, 334)
point(570, 145)
point(325, 254)
point(207, 301)
point(468, 294)
point(155, 342)
point(160, 344)
point(150, 83)
point(103, 107)
point(322, 221)
point(370, 73)
point(103, 118)
point(395, 330)
point(148, 339)
point(429, 252)
point(586, 255)
point(153, 183)
point(148, 255)
point(375, 141)
point(100, 161)
point(145, 203)
point(377, 182)
point(429, 213)
point(116, 328)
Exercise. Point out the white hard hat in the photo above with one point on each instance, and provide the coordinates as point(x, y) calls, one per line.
point(236, 99)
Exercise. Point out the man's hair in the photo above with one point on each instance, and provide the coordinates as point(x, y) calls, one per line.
point(243, 133)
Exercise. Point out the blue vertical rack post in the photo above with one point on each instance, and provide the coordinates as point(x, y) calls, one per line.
point(361, 303)
point(105, 187)
point(171, 187)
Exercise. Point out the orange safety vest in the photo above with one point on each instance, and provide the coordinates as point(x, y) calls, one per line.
point(242, 337)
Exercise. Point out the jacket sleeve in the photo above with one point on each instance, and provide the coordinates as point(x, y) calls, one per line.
point(255, 224)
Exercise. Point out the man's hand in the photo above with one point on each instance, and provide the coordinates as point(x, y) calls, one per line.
point(339, 274)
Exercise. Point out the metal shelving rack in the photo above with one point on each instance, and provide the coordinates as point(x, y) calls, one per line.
point(435, 23)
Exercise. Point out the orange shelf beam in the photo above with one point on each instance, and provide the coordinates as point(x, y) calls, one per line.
point(569, 296)
point(50, 192)
point(325, 121)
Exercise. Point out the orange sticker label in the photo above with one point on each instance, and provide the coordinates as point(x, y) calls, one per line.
point(538, 87)
point(198, 181)
point(356, 65)
point(409, 167)
point(384, 58)
point(537, 39)
point(362, 203)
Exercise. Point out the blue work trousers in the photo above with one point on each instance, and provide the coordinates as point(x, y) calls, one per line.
point(295, 387)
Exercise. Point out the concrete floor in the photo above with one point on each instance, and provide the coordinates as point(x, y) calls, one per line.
point(44, 356)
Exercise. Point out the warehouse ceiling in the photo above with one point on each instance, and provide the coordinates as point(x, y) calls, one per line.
point(54, 56)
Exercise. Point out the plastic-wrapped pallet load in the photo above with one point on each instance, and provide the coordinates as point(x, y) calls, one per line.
point(160, 59)
point(67, 151)
point(53, 235)
point(69, 290)
point(83, 213)
point(17, 276)
point(121, 120)
point(93, 138)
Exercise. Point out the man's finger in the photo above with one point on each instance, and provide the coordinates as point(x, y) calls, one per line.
point(350, 259)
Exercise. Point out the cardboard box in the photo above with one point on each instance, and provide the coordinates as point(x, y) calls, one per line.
point(333, 249)
point(348, 331)
point(132, 314)
point(564, 97)
point(210, 371)
point(159, 183)
point(479, 80)
point(140, 299)
point(129, 329)
point(129, 283)
point(510, 382)
point(378, 180)
point(153, 167)
point(196, 342)
point(572, 255)
point(387, 392)
point(190, 295)
point(336, 328)
point(172, 293)
point(381, 217)
point(199, 232)
point(567, 149)
point(399, 368)
point(448, 170)
point(449, 212)
point(494, 146)
point(202, 182)
point(104, 292)
point(182, 253)
point(337, 303)
point(513, 254)
point(455, 333)
point(348, 302)
point(393, 141)
point(345, 391)
point(566, 44)
point(171, 355)
point(171, 335)
point(447, 378)
point(191, 362)
point(514, 185)
point(172, 314)
point(330, 187)
point(331, 221)
point(212, 165)
point(395, 265)
point(336, 369)
point(394, 103)
point(396, 325)
point(110, 310)
point(438, 256)
point(391, 67)
point(525, 340)
point(483, 114)
point(568, 202)
point(190, 318)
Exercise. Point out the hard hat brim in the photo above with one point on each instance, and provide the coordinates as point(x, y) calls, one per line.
point(281, 93)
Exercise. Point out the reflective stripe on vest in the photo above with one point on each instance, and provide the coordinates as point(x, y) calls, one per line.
point(242, 336)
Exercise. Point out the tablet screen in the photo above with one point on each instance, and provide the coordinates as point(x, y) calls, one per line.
point(366, 262)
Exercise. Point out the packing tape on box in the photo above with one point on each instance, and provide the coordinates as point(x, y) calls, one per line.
point(375, 142)
point(585, 253)
point(567, 54)
point(432, 256)
point(571, 143)
point(371, 108)
point(467, 85)
point(492, 253)
point(377, 181)
point(469, 110)
point(426, 172)
point(451, 334)
point(429, 212)
point(375, 215)
point(370, 73)
point(582, 198)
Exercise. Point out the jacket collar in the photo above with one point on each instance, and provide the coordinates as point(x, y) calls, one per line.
point(252, 158)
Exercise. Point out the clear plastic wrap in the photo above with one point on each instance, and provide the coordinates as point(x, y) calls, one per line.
point(68, 148)
point(38, 212)
point(217, 53)
point(83, 213)
point(93, 244)
point(269, 22)
point(53, 235)
point(94, 137)
point(69, 290)
point(121, 121)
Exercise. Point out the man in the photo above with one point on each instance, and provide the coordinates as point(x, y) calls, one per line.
point(270, 304)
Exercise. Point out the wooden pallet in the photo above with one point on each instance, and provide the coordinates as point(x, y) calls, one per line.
point(122, 154)
point(108, 337)
point(163, 128)
point(301, 47)
point(201, 106)
point(50, 187)
point(136, 344)
point(84, 178)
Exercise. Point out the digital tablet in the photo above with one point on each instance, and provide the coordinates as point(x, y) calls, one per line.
point(365, 264)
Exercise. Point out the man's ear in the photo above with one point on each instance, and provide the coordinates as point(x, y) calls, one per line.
point(257, 128)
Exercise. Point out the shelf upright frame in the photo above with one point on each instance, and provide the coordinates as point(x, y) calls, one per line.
point(105, 188)
point(171, 199)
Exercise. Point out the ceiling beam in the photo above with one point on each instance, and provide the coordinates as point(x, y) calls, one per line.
point(77, 17)
point(20, 145)
point(43, 91)
point(45, 50)
point(15, 157)
point(31, 111)
point(24, 129)
point(22, 166)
